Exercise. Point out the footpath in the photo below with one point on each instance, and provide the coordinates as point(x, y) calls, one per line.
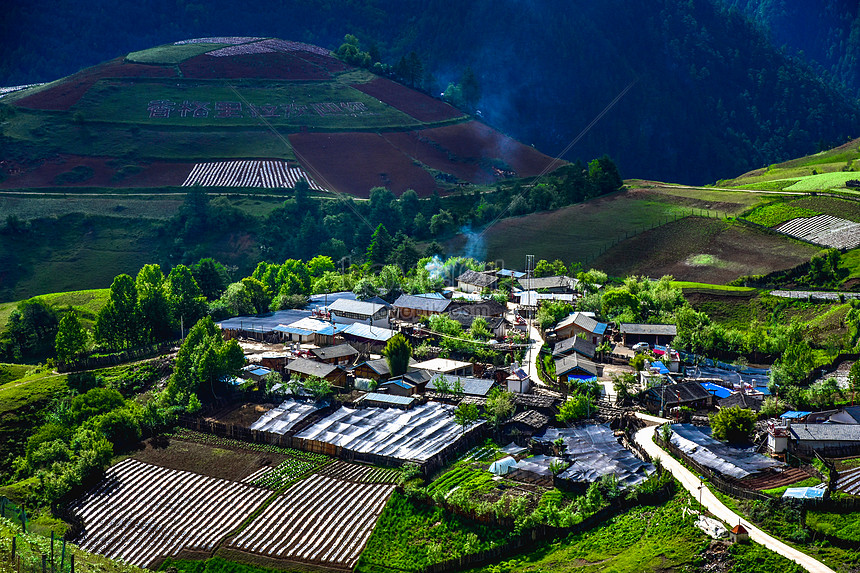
point(692, 484)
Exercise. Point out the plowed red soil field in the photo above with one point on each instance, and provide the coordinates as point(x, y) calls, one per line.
point(343, 159)
point(420, 106)
point(433, 155)
point(67, 93)
point(472, 141)
point(275, 65)
point(158, 174)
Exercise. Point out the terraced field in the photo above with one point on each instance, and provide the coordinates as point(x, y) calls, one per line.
point(824, 230)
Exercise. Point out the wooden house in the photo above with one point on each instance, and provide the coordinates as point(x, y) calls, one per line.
point(302, 368)
point(473, 281)
point(579, 324)
point(341, 355)
point(411, 308)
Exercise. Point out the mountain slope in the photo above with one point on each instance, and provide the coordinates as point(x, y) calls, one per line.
point(712, 93)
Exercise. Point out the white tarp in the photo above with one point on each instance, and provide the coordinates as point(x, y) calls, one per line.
point(283, 418)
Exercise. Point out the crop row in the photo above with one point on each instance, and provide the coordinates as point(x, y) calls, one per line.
point(284, 473)
point(360, 474)
point(140, 512)
point(319, 520)
point(265, 174)
point(212, 440)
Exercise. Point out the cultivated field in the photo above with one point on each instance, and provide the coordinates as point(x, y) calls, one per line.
point(703, 250)
point(141, 512)
point(318, 520)
point(420, 106)
point(824, 230)
point(266, 174)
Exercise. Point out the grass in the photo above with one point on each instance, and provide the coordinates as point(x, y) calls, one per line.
point(22, 404)
point(778, 491)
point(778, 213)
point(708, 286)
point(30, 206)
point(644, 539)
point(755, 558)
point(170, 54)
point(218, 565)
point(842, 525)
point(823, 181)
point(409, 537)
point(125, 102)
point(12, 372)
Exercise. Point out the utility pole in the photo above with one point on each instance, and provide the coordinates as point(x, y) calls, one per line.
point(530, 261)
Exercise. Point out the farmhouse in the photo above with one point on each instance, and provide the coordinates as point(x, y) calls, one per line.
point(653, 334)
point(347, 311)
point(525, 424)
point(302, 368)
point(407, 385)
point(341, 355)
point(473, 281)
point(369, 339)
point(556, 285)
point(410, 308)
point(495, 324)
point(742, 400)
point(825, 438)
point(376, 369)
point(575, 367)
point(580, 323)
point(690, 394)
point(577, 345)
point(471, 386)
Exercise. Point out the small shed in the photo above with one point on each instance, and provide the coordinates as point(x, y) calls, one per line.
point(342, 354)
point(378, 400)
point(473, 281)
point(739, 534)
point(302, 368)
point(526, 423)
point(503, 466)
point(653, 334)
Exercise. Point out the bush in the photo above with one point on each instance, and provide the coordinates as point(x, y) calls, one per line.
point(94, 402)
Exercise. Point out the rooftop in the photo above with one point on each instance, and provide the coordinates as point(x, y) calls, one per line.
point(422, 303)
point(584, 322)
point(356, 306)
point(441, 365)
point(575, 344)
point(311, 367)
point(332, 352)
point(573, 362)
point(368, 332)
point(471, 386)
point(826, 432)
point(387, 399)
point(530, 418)
point(540, 283)
point(648, 329)
point(483, 280)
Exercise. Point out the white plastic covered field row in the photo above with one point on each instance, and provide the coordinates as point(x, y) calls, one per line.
point(266, 174)
point(824, 230)
point(140, 512)
point(319, 520)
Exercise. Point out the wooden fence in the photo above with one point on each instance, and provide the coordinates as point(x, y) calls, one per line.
point(130, 355)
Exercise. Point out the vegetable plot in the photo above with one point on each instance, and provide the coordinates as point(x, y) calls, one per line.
point(824, 230)
point(318, 520)
point(140, 512)
point(266, 174)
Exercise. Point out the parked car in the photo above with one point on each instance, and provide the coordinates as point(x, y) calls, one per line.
point(641, 347)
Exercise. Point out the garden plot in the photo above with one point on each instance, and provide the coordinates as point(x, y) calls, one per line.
point(596, 452)
point(413, 435)
point(723, 458)
point(318, 520)
point(849, 481)
point(266, 174)
point(358, 473)
point(140, 512)
point(284, 417)
point(824, 230)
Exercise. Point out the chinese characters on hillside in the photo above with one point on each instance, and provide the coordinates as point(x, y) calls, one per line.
point(162, 108)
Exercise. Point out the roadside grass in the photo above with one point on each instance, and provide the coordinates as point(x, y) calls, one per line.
point(170, 54)
point(730, 202)
point(778, 491)
point(777, 213)
point(755, 558)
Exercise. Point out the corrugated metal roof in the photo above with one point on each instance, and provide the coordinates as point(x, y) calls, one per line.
point(575, 344)
point(291, 330)
point(540, 283)
point(648, 329)
point(826, 432)
point(387, 398)
point(368, 332)
point(475, 278)
point(584, 322)
point(471, 386)
point(356, 307)
point(311, 367)
point(573, 362)
point(338, 351)
point(421, 303)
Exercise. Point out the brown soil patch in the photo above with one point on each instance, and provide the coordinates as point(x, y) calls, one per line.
point(430, 154)
point(241, 415)
point(420, 106)
point(771, 480)
point(67, 93)
point(44, 173)
point(474, 141)
point(220, 462)
point(343, 160)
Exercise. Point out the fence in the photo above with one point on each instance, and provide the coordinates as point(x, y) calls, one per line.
point(715, 480)
point(118, 358)
point(28, 556)
point(528, 539)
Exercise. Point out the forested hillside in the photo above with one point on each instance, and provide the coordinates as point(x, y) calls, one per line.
point(827, 32)
point(712, 95)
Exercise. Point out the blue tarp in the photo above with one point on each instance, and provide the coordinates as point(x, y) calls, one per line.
point(660, 367)
point(793, 415)
point(804, 492)
point(581, 377)
point(716, 390)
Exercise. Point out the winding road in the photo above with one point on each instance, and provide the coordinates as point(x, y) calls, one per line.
point(692, 483)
